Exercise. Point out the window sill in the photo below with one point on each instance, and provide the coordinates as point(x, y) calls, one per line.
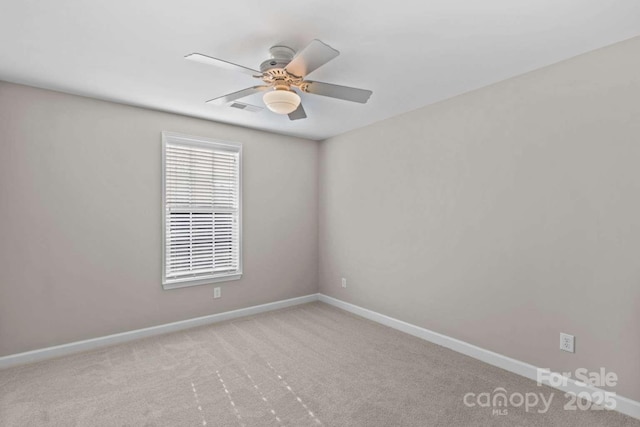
point(185, 283)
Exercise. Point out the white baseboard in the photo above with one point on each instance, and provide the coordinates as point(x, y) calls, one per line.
point(623, 405)
point(90, 344)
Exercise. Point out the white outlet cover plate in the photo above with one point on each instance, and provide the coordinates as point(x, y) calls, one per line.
point(567, 342)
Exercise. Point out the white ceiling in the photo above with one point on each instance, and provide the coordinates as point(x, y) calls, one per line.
point(410, 53)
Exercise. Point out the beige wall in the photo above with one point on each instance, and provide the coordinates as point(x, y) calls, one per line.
point(80, 206)
point(501, 217)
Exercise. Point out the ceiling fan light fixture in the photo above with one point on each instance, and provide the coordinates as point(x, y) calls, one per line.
point(281, 101)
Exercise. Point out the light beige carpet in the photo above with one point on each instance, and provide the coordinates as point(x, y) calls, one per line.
point(311, 365)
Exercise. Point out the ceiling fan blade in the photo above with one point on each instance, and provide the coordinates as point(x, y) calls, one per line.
point(335, 91)
point(312, 57)
point(225, 99)
point(298, 114)
point(204, 59)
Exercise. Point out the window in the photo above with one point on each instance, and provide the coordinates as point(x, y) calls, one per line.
point(202, 213)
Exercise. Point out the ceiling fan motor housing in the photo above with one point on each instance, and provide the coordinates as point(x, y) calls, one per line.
point(280, 57)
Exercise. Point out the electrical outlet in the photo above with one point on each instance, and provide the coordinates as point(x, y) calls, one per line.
point(216, 292)
point(567, 342)
point(344, 282)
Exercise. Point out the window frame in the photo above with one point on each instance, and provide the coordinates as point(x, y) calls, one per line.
point(198, 141)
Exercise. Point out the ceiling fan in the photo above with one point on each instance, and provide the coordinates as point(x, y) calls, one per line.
point(283, 72)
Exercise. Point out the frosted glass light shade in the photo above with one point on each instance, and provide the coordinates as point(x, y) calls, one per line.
point(281, 101)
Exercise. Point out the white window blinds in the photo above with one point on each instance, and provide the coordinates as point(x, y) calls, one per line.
point(201, 211)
